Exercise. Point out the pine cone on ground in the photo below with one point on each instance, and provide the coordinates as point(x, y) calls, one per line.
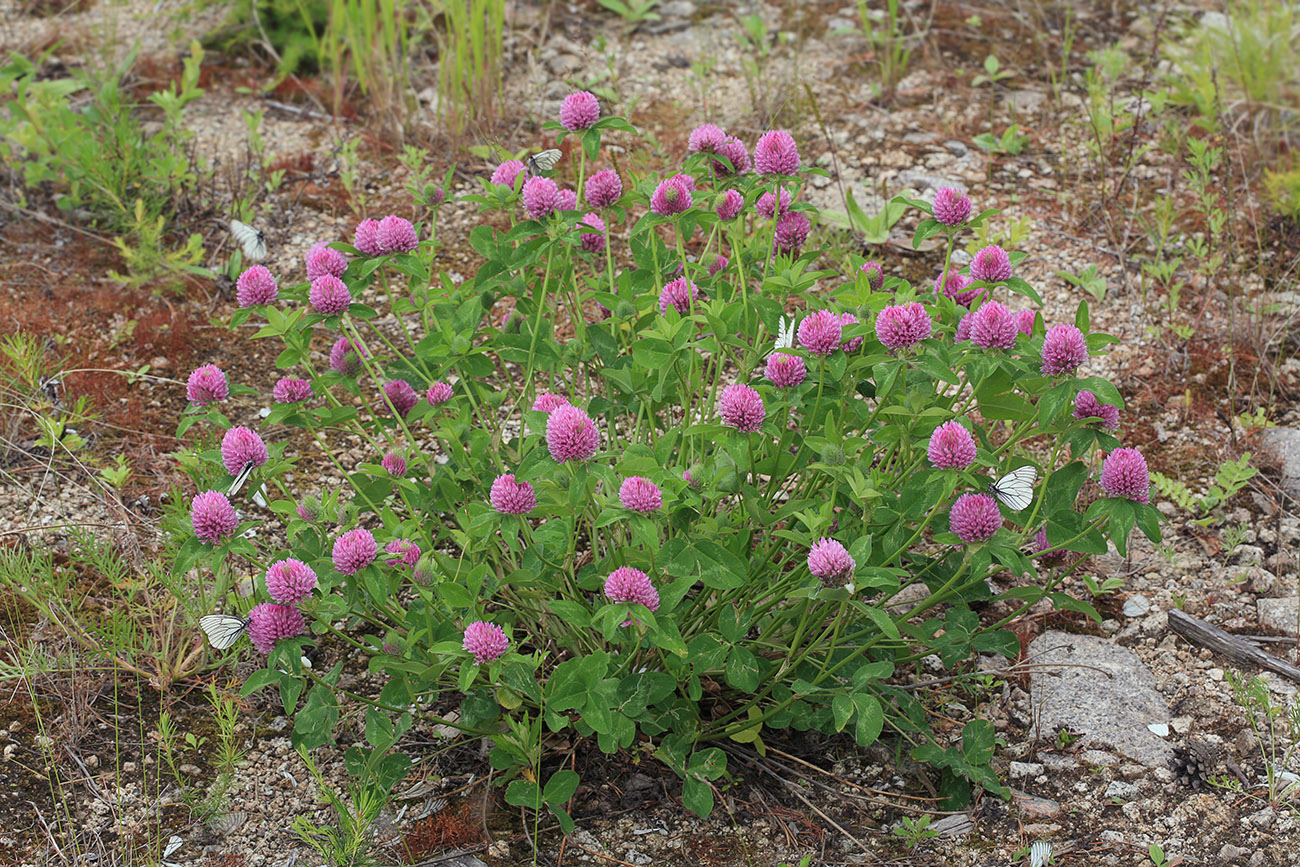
point(1194, 764)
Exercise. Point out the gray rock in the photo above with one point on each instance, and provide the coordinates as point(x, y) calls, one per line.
point(1122, 790)
point(1277, 615)
point(1032, 807)
point(1231, 854)
point(1284, 444)
point(1101, 690)
point(1099, 759)
point(956, 148)
point(562, 65)
point(676, 9)
point(922, 181)
point(1026, 101)
point(1024, 769)
point(463, 861)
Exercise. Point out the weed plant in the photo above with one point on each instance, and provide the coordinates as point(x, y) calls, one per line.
point(641, 507)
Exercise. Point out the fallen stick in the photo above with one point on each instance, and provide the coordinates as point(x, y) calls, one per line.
point(1201, 633)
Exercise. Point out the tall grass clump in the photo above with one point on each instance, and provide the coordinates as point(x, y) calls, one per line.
point(640, 507)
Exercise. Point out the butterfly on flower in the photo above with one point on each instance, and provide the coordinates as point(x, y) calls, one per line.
point(235, 486)
point(785, 333)
point(541, 163)
point(1015, 490)
point(223, 630)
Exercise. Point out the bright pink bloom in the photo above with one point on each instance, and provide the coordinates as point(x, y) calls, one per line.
point(640, 494)
point(830, 561)
point(767, 203)
point(991, 264)
point(408, 552)
point(705, 138)
point(776, 153)
point(785, 370)
point(268, 623)
point(729, 205)
point(290, 389)
point(1124, 474)
point(741, 407)
point(400, 396)
point(626, 584)
point(672, 196)
point(953, 284)
point(438, 393)
point(1064, 349)
point(579, 110)
point(951, 446)
point(951, 207)
point(366, 237)
point(902, 325)
point(791, 231)
point(329, 295)
point(323, 259)
point(571, 435)
point(510, 497)
point(354, 551)
point(345, 356)
point(212, 516)
point(547, 401)
point(974, 518)
point(1041, 544)
point(507, 173)
point(486, 641)
point(1024, 319)
point(396, 235)
point(1086, 406)
point(289, 581)
point(680, 294)
point(853, 344)
point(875, 275)
point(394, 464)
point(604, 188)
point(539, 197)
point(240, 445)
point(820, 332)
point(963, 328)
point(207, 384)
point(255, 286)
point(993, 327)
point(566, 200)
point(734, 151)
point(594, 242)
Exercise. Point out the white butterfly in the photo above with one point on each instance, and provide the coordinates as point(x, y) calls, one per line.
point(258, 496)
point(1015, 490)
point(785, 333)
point(1040, 854)
point(252, 240)
point(223, 630)
point(172, 845)
point(543, 162)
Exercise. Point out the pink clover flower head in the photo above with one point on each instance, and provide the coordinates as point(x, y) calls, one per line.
point(951, 446)
point(719, 263)
point(991, 264)
point(323, 259)
point(785, 370)
point(240, 445)
point(579, 110)
point(767, 203)
point(626, 584)
point(1064, 349)
point(212, 516)
point(438, 393)
point(853, 344)
point(1024, 319)
point(593, 241)
point(366, 237)
point(1086, 406)
point(485, 641)
point(899, 326)
point(729, 205)
point(776, 153)
point(690, 480)
point(288, 581)
point(1041, 544)
point(993, 327)
point(734, 151)
point(687, 181)
point(820, 332)
point(791, 231)
point(875, 275)
point(255, 286)
point(290, 389)
point(672, 196)
point(345, 356)
point(566, 200)
point(329, 295)
point(952, 284)
point(639, 494)
point(354, 551)
point(269, 622)
point(506, 174)
point(408, 552)
point(680, 294)
point(540, 196)
point(706, 138)
point(604, 188)
point(309, 508)
point(401, 396)
point(963, 328)
point(510, 497)
point(741, 407)
point(396, 235)
point(1124, 474)
point(829, 561)
point(547, 401)
point(974, 518)
point(394, 464)
point(951, 207)
point(207, 384)
point(571, 435)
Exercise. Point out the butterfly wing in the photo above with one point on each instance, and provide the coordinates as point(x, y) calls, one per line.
point(785, 334)
point(1015, 490)
point(223, 630)
point(240, 479)
point(251, 239)
point(543, 162)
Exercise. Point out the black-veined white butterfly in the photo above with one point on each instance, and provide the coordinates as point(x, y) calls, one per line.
point(543, 162)
point(172, 845)
point(223, 630)
point(1015, 490)
point(1040, 854)
point(252, 240)
point(785, 333)
point(258, 495)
